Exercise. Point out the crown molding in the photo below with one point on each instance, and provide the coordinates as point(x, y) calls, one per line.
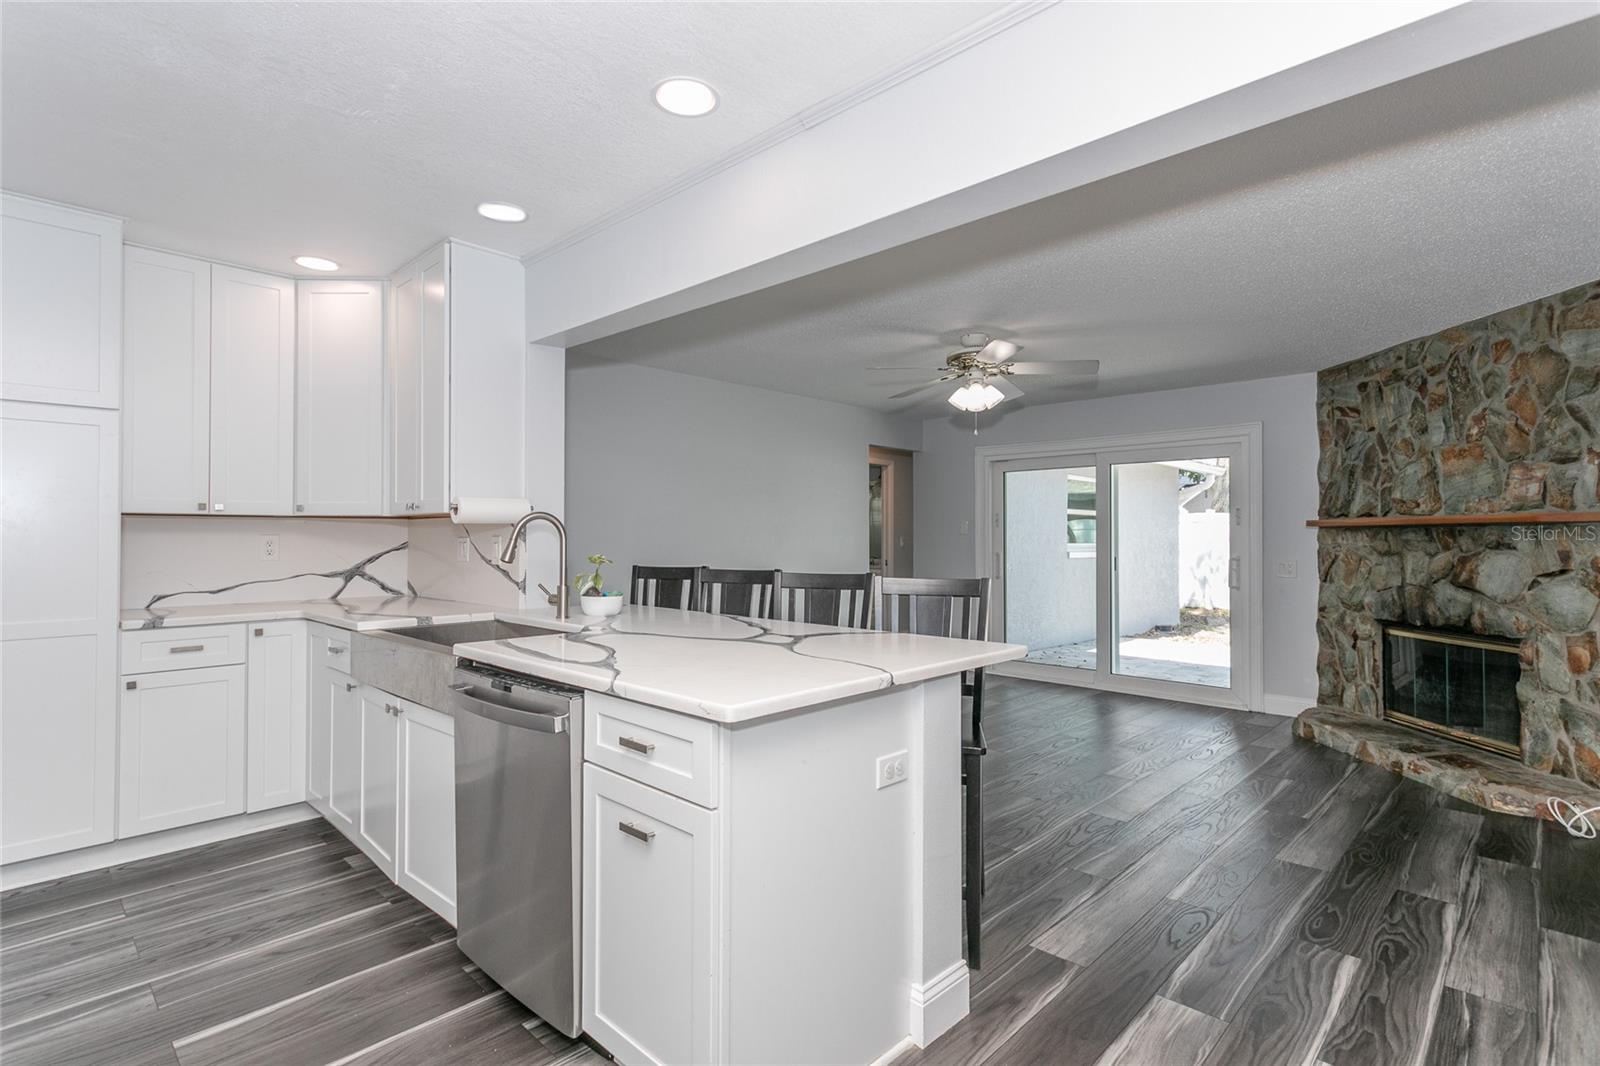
point(968, 37)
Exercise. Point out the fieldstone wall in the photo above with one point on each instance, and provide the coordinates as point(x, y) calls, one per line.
point(1498, 415)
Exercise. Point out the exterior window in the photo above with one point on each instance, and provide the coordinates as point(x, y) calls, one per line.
point(1080, 514)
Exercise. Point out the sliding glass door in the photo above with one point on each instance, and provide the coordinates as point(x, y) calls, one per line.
point(1122, 569)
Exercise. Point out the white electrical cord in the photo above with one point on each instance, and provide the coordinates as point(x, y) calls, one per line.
point(1572, 819)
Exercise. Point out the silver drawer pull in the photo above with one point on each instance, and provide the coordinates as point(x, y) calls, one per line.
point(337, 649)
point(179, 649)
point(261, 632)
point(643, 747)
point(646, 835)
point(349, 686)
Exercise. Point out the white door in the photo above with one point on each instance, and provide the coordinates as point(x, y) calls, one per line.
point(277, 714)
point(418, 385)
point(339, 398)
point(252, 393)
point(1130, 568)
point(427, 859)
point(319, 735)
point(183, 744)
point(378, 809)
point(166, 383)
point(344, 754)
point(60, 304)
point(649, 897)
point(59, 533)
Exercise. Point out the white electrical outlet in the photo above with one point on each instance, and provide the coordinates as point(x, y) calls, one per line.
point(463, 549)
point(269, 547)
point(1288, 569)
point(892, 768)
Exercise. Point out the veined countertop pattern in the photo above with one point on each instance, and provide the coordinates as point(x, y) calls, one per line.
point(731, 669)
point(387, 612)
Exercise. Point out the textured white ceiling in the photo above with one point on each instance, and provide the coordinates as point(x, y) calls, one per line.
point(365, 131)
point(1293, 247)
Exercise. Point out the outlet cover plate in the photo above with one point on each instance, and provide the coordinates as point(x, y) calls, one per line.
point(892, 768)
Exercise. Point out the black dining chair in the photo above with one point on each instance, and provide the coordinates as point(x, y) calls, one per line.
point(952, 607)
point(748, 593)
point(825, 599)
point(665, 586)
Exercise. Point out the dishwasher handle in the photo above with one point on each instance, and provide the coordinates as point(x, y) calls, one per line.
point(473, 698)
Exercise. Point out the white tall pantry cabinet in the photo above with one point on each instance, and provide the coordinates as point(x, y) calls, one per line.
point(61, 308)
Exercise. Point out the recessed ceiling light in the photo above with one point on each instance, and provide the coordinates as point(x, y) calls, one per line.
point(315, 262)
point(688, 97)
point(498, 212)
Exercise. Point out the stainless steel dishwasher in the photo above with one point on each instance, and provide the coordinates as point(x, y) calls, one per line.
point(519, 753)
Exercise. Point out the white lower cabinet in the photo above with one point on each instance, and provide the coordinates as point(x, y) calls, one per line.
point(377, 802)
point(278, 689)
point(182, 748)
point(344, 756)
point(650, 899)
point(330, 689)
point(426, 863)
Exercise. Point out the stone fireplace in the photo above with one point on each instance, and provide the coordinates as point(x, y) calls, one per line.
point(1458, 483)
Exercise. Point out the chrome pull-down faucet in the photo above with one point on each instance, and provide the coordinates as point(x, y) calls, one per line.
point(558, 598)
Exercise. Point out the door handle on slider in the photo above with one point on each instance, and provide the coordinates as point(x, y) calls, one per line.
point(643, 747)
point(634, 831)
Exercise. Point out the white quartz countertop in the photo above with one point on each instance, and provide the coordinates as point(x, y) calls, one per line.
point(387, 612)
point(731, 669)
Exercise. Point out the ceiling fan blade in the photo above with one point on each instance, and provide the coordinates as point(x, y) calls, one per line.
point(1064, 366)
point(998, 351)
point(918, 369)
point(922, 388)
point(1010, 388)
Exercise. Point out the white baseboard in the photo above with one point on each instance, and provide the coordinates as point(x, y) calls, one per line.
point(939, 1004)
point(1287, 706)
point(51, 867)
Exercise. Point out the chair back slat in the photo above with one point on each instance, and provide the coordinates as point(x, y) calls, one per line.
point(934, 606)
point(825, 599)
point(665, 586)
point(748, 593)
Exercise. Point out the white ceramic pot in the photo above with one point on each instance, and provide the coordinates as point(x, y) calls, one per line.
point(600, 606)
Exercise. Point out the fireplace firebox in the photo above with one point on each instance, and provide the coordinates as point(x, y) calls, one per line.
point(1460, 685)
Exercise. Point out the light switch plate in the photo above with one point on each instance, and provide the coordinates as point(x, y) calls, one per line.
point(463, 549)
point(1288, 569)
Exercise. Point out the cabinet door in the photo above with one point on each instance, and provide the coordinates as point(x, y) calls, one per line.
point(378, 809)
point(183, 743)
point(252, 393)
point(60, 304)
point(417, 384)
point(427, 859)
point(339, 398)
point(319, 736)
point(166, 383)
point(59, 532)
point(650, 891)
point(277, 714)
point(344, 755)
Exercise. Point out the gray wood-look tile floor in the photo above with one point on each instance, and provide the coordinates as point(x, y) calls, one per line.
point(1167, 884)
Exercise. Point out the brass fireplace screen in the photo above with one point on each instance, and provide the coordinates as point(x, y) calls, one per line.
point(1463, 686)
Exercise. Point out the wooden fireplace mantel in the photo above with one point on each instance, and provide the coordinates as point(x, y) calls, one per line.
point(1500, 518)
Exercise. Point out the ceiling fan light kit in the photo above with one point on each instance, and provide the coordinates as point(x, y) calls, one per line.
point(976, 396)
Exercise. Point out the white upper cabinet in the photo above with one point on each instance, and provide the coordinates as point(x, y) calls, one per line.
point(339, 398)
point(60, 304)
point(418, 385)
point(166, 383)
point(252, 393)
point(488, 357)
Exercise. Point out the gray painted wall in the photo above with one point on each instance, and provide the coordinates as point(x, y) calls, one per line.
point(670, 469)
point(1286, 409)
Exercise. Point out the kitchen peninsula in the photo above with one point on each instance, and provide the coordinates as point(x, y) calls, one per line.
point(771, 833)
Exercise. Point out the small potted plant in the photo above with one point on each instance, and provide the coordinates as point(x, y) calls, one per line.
point(594, 599)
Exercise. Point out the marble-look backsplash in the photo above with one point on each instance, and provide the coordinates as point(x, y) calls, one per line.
point(182, 561)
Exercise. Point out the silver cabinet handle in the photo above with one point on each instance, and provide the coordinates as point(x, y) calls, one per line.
point(349, 686)
point(299, 507)
point(643, 747)
point(201, 506)
point(646, 835)
point(398, 710)
point(261, 632)
point(337, 649)
point(180, 649)
point(216, 507)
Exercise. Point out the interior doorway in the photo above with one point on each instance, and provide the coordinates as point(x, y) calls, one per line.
point(889, 512)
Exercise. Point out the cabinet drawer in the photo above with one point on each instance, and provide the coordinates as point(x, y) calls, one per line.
point(185, 648)
point(330, 647)
point(672, 752)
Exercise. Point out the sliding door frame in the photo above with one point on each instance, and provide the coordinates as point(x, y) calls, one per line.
point(1248, 692)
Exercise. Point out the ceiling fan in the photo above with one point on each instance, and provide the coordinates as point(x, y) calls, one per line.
point(986, 366)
